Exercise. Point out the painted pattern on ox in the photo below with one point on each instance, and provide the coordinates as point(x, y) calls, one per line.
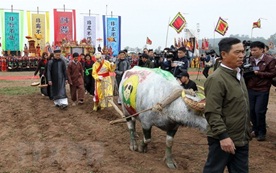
point(142, 88)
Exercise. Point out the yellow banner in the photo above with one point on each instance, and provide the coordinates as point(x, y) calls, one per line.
point(47, 36)
point(29, 23)
point(38, 29)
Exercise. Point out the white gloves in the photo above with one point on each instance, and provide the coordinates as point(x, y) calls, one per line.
point(100, 78)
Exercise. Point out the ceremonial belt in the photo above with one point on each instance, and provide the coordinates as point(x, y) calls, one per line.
point(104, 74)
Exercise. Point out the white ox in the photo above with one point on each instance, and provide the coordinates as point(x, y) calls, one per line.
point(142, 88)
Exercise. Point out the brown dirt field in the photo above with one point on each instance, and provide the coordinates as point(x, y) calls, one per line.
point(36, 137)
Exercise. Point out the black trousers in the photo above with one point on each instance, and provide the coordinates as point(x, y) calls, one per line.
point(89, 84)
point(218, 159)
point(206, 71)
point(258, 106)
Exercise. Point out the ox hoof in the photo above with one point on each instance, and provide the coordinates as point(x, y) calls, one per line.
point(142, 148)
point(170, 163)
point(133, 146)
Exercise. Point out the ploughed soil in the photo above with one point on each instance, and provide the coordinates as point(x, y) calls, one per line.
point(36, 137)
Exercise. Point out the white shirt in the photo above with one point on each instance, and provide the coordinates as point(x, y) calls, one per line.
point(257, 60)
point(238, 76)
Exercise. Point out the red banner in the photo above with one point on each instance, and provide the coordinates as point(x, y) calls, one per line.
point(64, 26)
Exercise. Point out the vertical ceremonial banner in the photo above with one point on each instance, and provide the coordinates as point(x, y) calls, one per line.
point(64, 26)
point(2, 19)
point(47, 37)
point(38, 29)
point(11, 31)
point(90, 28)
point(112, 33)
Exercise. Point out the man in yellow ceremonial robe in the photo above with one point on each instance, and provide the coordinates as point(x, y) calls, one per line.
point(103, 83)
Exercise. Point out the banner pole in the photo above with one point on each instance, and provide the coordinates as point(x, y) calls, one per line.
point(167, 33)
point(214, 37)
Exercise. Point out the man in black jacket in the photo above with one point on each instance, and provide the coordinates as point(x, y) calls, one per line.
point(186, 82)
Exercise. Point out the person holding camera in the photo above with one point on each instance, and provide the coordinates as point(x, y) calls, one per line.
point(166, 63)
point(181, 64)
point(208, 59)
point(258, 85)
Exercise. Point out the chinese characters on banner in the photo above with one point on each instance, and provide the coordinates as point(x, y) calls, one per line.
point(90, 29)
point(11, 31)
point(38, 28)
point(112, 33)
point(64, 26)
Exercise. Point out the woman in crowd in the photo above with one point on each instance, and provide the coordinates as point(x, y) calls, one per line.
point(89, 81)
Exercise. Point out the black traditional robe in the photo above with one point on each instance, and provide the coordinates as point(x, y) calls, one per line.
point(57, 74)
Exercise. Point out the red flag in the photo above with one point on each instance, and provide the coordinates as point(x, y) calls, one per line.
point(178, 22)
point(192, 41)
point(257, 24)
point(205, 44)
point(197, 44)
point(149, 42)
point(221, 27)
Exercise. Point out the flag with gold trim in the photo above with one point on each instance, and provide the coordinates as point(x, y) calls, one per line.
point(178, 22)
point(257, 24)
point(221, 27)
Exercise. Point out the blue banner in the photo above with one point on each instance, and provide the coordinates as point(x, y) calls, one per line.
point(11, 31)
point(112, 34)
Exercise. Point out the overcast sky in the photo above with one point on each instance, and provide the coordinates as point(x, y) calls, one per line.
point(150, 18)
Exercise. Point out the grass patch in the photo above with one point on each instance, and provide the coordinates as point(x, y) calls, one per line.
point(18, 90)
point(5, 81)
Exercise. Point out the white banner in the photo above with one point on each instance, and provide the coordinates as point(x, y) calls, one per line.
point(90, 29)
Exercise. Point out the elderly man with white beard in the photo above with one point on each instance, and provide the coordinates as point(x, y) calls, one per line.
point(103, 83)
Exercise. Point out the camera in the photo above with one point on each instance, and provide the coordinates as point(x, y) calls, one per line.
point(247, 68)
point(210, 52)
point(246, 43)
point(248, 71)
